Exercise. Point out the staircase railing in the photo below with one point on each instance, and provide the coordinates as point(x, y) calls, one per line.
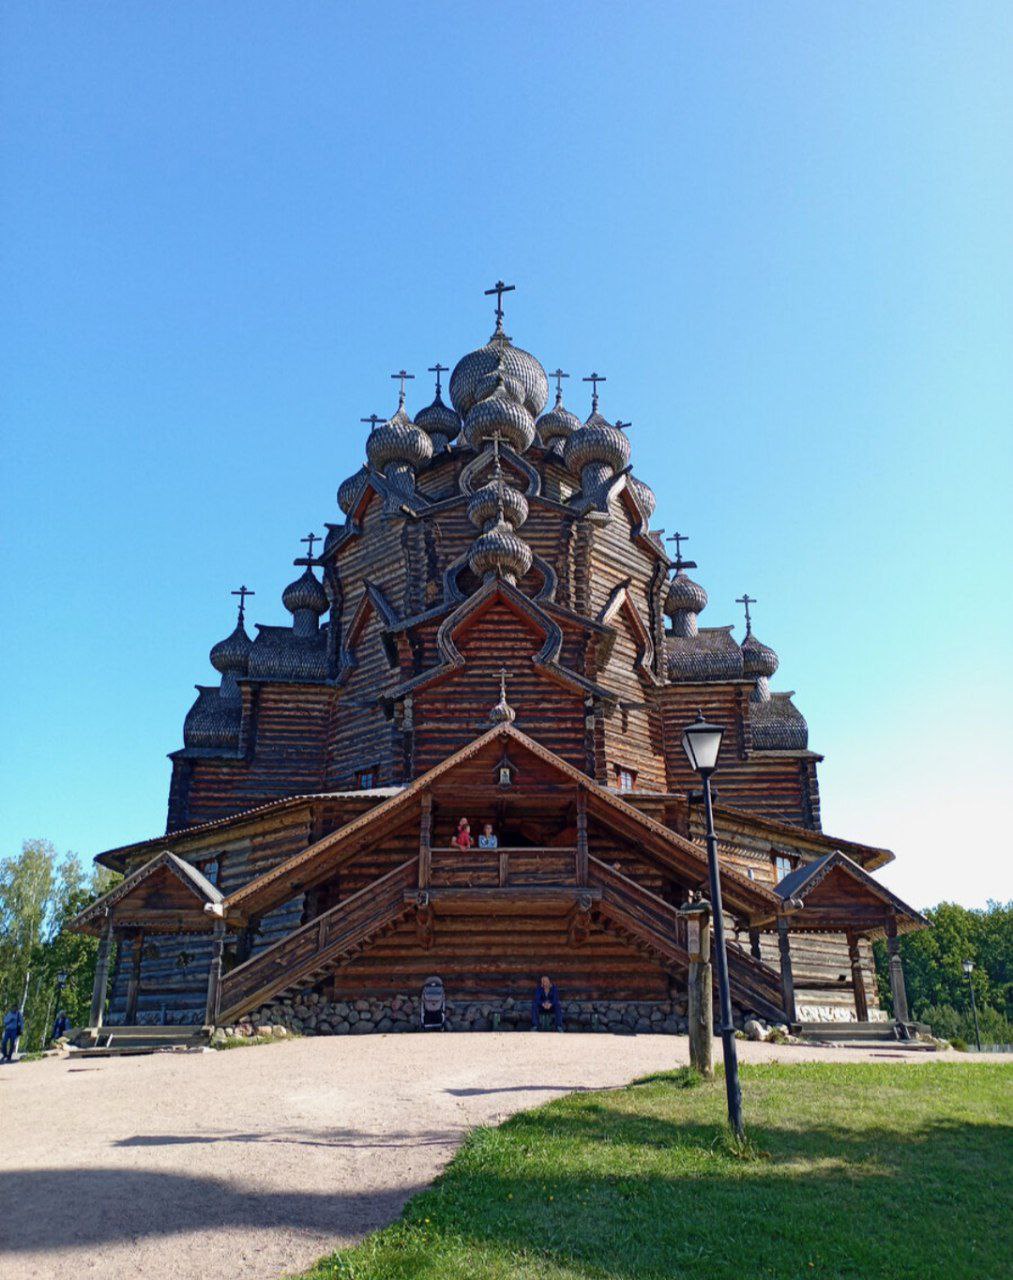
point(299, 954)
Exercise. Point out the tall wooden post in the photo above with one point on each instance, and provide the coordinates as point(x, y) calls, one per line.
point(897, 988)
point(134, 984)
point(700, 1005)
point(754, 944)
point(426, 840)
point(787, 980)
point(98, 991)
point(215, 974)
point(857, 978)
point(581, 865)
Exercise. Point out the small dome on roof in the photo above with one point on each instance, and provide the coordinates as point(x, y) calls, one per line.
point(598, 441)
point(398, 442)
point(685, 594)
point(498, 354)
point(439, 422)
point(758, 659)
point(351, 490)
point(499, 551)
point(484, 504)
point(557, 424)
point(307, 592)
point(644, 495)
point(232, 655)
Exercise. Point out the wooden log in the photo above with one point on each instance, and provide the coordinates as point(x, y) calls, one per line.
point(581, 859)
point(98, 994)
point(215, 974)
point(425, 841)
point(787, 981)
point(896, 969)
point(857, 980)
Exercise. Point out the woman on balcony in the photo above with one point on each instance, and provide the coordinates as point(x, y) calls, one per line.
point(461, 839)
point(488, 838)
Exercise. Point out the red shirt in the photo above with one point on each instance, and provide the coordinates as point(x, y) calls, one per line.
point(463, 839)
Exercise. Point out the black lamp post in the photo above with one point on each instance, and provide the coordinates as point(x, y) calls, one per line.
point(969, 969)
point(702, 742)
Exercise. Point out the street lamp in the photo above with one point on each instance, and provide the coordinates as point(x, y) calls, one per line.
point(702, 743)
point(968, 967)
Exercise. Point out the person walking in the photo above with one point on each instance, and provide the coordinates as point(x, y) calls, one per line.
point(14, 1025)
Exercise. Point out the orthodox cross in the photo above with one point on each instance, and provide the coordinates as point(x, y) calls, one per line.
point(404, 376)
point(623, 425)
point(680, 564)
point(310, 539)
point(499, 288)
point(242, 593)
point(502, 684)
point(594, 379)
point(559, 375)
point(437, 368)
point(747, 600)
point(373, 419)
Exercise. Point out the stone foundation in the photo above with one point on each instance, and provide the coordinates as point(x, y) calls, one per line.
point(310, 1014)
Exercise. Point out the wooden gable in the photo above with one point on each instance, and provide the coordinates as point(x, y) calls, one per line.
point(166, 895)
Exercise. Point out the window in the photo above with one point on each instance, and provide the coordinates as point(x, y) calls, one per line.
point(782, 866)
point(626, 779)
point(209, 870)
point(366, 779)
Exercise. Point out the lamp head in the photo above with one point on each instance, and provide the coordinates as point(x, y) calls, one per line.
point(701, 742)
point(968, 967)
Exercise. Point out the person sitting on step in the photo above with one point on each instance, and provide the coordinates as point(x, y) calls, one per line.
point(488, 838)
point(546, 1010)
point(461, 838)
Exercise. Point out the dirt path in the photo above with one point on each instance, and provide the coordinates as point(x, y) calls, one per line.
point(255, 1162)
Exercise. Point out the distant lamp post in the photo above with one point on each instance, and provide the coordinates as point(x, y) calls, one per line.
point(702, 743)
point(968, 967)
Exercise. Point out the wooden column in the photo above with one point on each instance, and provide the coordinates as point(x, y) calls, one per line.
point(857, 978)
point(787, 980)
point(215, 974)
point(134, 984)
point(897, 989)
point(98, 992)
point(700, 991)
point(426, 840)
point(581, 836)
point(754, 944)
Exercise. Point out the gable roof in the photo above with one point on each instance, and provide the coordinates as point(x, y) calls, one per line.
point(92, 918)
point(798, 885)
point(742, 894)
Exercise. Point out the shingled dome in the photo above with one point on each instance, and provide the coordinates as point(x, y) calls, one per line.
point(555, 426)
point(351, 490)
point(398, 442)
point(758, 659)
point(498, 355)
point(500, 410)
point(439, 422)
point(598, 443)
point(232, 654)
point(306, 592)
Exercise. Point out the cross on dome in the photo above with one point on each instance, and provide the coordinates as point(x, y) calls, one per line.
point(594, 379)
point(438, 368)
point(242, 593)
point(404, 376)
point(679, 539)
point(374, 419)
point(309, 540)
point(559, 375)
point(746, 599)
point(499, 288)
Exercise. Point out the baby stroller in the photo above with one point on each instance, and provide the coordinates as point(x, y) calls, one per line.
point(433, 1006)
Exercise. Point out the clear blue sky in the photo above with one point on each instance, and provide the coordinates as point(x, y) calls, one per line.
point(782, 231)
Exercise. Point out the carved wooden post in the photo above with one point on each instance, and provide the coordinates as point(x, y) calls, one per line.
point(787, 980)
point(857, 978)
point(754, 944)
point(700, 1006)
point(98, 992)
point(426, 840)
point(581, 836)
point(897, 989)
point(134, 985)
point(215, 974)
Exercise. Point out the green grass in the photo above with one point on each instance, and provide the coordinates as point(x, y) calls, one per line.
point(857, 1171)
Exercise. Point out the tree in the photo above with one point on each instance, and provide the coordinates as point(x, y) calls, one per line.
point(39, 893)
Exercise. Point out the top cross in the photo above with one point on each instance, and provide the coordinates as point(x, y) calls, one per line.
point(499, 288)
point(747, 600)
point(594, 379)
point(404, 376)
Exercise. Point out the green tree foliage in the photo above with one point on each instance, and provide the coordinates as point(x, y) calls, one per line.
point(935, 979)
point(39, 892)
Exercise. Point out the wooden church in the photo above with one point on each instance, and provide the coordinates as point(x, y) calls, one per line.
point(491, 631)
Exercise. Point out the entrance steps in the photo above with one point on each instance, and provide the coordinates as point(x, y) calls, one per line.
point(117, 1042)
point(863, 1035)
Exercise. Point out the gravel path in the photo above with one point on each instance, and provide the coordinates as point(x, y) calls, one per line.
point(255, 1162)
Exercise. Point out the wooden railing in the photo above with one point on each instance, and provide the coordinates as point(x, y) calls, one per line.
point(644, 915)
point(508, 867)
point(312, 946)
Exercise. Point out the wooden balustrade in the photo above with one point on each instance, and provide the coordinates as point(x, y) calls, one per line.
point(507, 867)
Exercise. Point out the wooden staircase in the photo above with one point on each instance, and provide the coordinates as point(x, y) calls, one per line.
point(650, 924)
point(304, 956)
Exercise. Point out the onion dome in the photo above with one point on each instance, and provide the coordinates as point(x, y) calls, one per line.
point(486, 503)
point(644, 495)
point(398, 444)
point(555, 426)
point(684, 601)
point(597, 443)
point(351, 490)
point(499, 410)
point(498, 355)
point(307, 592)
point(440, 423)
point(499, 553)
point(231, 656)
point(502, 712)
point(758, 660)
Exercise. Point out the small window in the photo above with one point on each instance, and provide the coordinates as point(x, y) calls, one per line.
point(366, 779)
point(782, 866)
point(209, 870)
point(750, 873)
point(626, 779)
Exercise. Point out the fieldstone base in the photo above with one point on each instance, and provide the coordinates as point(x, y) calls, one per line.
point(310, 1014)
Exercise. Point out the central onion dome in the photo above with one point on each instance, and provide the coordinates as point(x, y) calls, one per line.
point(684, 601)
point(557, 425)
point(498, 356)
point(596, 453)
point(499, 409)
